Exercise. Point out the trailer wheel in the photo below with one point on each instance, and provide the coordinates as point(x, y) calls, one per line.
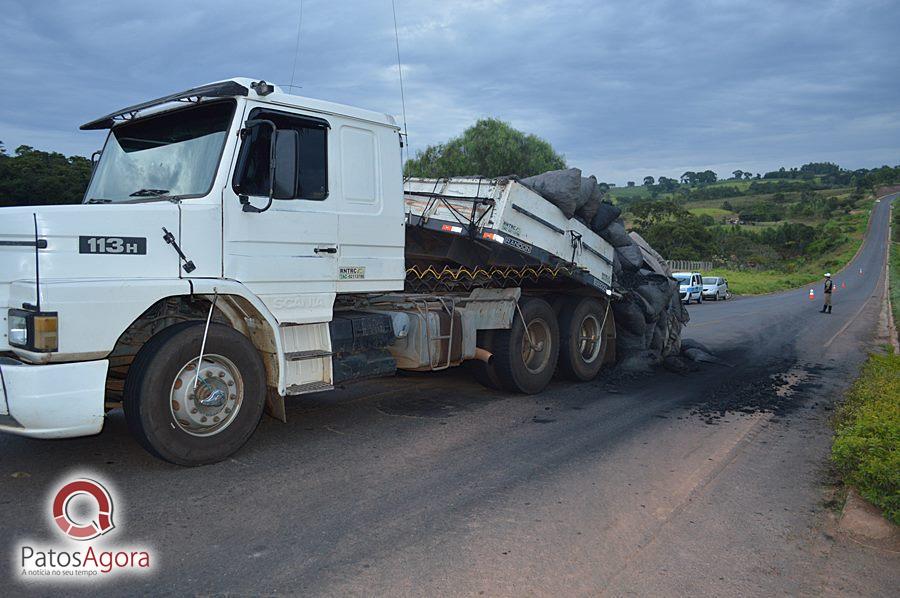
point(581, 340)
point(525, 361)
point(485, 373)
point(195, 426)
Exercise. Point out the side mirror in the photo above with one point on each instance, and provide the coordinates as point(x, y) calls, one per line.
point(284, 148)
point(287, 148)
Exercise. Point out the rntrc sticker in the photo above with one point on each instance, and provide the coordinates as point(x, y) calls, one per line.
point(113, 245)
point(353, 273)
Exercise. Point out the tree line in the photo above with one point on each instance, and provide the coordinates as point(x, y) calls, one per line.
point(32, 177)
point(812, 175)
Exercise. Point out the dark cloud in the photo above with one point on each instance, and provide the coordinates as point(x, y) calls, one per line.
point(624, 89)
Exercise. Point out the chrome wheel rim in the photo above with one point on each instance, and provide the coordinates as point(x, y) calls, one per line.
point(536, 345)
point(214, 404)
point(589, 339)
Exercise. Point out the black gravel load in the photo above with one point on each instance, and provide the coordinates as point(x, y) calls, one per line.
point(649, 315)
point(562, 188)
point(615, 234)
point(605, 214)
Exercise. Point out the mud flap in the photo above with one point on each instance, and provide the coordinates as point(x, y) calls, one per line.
point(275, 405)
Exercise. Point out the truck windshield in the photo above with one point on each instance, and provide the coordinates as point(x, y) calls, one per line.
point(682, 279)
point(170, 155)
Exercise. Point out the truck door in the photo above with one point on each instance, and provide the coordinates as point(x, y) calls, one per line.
point(287, 254)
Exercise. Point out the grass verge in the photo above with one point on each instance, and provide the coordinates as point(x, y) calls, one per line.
point(866, 447)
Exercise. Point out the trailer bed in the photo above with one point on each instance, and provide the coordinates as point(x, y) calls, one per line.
point(515, 218)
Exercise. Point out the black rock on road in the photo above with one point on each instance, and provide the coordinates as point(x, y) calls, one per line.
point(711, 483)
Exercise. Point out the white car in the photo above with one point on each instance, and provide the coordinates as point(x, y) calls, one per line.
point(691, 286)
point(715, 288)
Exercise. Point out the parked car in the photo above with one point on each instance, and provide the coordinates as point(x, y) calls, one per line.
point(715, 288)
point(691, 284)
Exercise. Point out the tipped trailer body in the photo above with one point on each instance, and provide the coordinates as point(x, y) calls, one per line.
point(238, 245)
point(511, 224)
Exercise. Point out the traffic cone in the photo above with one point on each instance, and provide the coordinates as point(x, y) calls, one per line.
point(843, 285)
point(812, 295)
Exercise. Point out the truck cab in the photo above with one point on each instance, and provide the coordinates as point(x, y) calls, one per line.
point(270, 203)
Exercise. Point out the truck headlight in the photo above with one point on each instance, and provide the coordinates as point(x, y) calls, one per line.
point(18, 330)
point(33, 331)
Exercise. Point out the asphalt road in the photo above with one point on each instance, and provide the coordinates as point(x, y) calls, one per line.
point(712, 483)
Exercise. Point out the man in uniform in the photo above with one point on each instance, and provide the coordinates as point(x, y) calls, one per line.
point(829, 286)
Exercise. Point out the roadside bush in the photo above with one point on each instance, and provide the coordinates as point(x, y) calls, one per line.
point(866, 447)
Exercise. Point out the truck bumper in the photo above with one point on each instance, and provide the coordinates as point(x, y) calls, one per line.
point(52, 401)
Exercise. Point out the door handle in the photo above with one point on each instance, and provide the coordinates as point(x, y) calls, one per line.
point(325, 249)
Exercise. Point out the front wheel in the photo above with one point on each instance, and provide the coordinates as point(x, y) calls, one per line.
point(190, 412)
point(525, 356)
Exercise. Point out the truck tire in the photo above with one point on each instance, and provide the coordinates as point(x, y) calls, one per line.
point(521, 366)
point(485, 373)
point(188, 427)
point(581, 340)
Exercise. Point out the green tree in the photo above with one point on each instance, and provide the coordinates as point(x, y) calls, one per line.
point(649, 213)
point(667, 184)
point(489, 148)
point(648, 181)
point(706, 177)
point(34, 177)
point(738, 175)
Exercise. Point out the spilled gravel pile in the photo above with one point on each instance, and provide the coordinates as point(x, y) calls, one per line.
point(778, 387)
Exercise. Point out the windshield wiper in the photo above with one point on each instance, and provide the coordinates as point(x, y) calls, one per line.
point(149, 192)
point(95, 200)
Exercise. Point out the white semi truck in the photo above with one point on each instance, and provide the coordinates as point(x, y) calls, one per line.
point(238, 245)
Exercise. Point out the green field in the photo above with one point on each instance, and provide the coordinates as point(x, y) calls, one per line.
point(717, 213)
point(793, 207)
point(803, 272)
point(629, 193)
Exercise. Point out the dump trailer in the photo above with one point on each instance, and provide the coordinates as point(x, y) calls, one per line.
point(238, 245)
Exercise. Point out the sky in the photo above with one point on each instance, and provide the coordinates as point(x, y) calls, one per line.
point(622, 89)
